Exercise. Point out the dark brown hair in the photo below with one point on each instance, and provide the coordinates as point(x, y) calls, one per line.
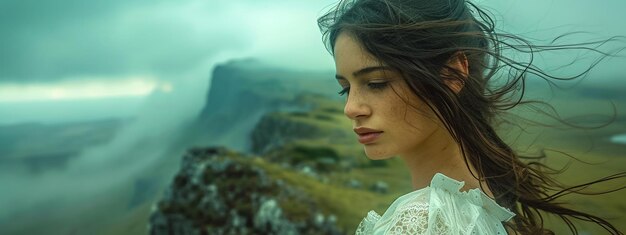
point(417, 38)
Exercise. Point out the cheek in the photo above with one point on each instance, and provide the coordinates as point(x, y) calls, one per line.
point(414, 123)
point(403, 116)
point(402, 107)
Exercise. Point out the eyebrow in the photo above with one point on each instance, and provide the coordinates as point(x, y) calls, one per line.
point(364, 71)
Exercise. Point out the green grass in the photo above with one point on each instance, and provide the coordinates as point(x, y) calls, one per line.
point(349, 205)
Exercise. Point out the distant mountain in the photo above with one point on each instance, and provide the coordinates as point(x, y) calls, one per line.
point(242, 91)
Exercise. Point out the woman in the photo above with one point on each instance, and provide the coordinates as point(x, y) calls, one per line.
point(418, 76)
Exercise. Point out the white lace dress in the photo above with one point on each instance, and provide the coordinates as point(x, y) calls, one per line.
point(440, 208)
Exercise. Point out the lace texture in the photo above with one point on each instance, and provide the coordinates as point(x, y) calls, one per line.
point(440, 208)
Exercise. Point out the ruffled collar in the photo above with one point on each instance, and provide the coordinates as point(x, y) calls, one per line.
point(475, 196)
point(440, 208)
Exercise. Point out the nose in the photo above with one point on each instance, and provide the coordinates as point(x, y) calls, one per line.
point(356, 106)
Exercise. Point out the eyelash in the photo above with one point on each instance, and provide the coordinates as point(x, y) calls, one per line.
point(373, 85)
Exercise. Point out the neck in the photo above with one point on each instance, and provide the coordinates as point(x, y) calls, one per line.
point(439, 153)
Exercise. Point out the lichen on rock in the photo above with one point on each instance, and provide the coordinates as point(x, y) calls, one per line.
point(217, 191)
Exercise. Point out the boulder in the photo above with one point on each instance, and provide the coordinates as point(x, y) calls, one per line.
point(217, 191)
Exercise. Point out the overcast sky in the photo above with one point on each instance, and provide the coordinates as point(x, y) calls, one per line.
point(55, 40)
point(70, 49)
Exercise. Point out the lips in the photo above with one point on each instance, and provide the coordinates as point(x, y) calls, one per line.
point(367, 135)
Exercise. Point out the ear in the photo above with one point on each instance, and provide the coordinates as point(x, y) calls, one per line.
point(458, 62)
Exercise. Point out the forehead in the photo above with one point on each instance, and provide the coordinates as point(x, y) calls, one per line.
point(350, 55)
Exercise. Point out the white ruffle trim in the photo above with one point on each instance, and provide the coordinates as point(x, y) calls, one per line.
point(440, 208)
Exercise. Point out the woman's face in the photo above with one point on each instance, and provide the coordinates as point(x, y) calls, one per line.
point(378, 98)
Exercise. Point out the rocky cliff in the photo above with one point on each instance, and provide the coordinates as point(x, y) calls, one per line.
point(217, 191)
point(241, 92)
point(241, 88)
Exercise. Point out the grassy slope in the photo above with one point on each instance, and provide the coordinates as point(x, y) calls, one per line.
point(571, 147)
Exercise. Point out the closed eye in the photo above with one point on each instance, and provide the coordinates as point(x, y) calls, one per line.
point(377, 85)
point(372, 85)
point(344, 91)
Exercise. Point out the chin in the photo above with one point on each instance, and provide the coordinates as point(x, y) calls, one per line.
point(375, 153)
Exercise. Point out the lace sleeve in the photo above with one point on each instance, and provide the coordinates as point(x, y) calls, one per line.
point(366, 226)
point(413, 218)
